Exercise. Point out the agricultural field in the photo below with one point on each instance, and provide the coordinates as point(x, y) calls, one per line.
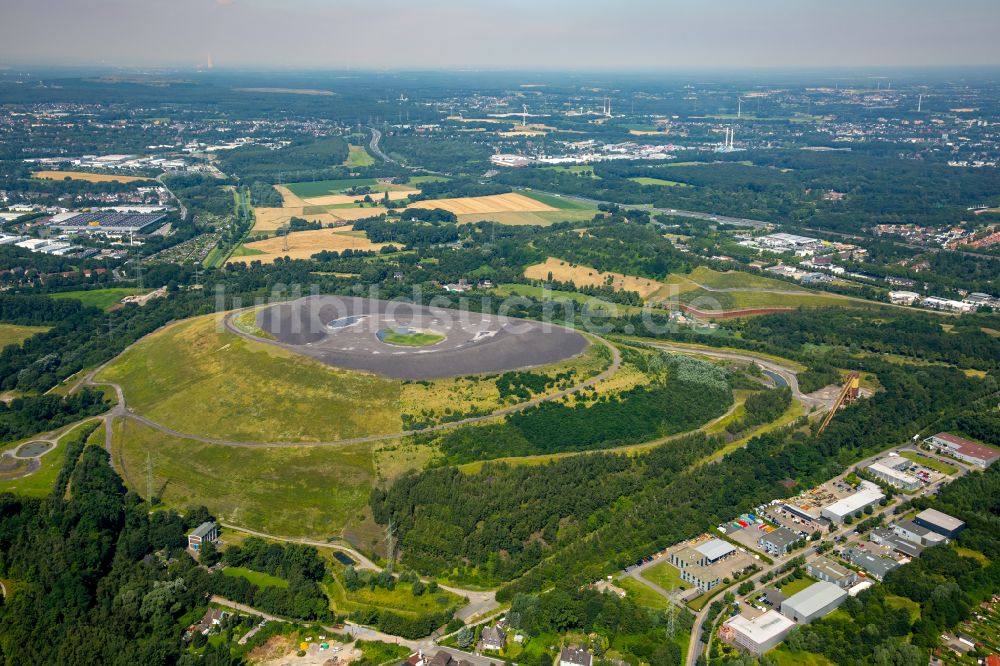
point(358, 157)
point(644, 180)
point(105, 299)
point(304, 244)
point(86, 176)
point(15, 334)
point(578, 169)
point(197, 377)
point(313, 491)
point(512, 202)
point(322, 188)
point(272, 219)
point(585, 276)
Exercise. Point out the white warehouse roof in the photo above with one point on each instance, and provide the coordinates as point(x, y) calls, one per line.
point(762, 629)
point(715, 548)
point(869, 494)
point(814, 598)
point(942, 520)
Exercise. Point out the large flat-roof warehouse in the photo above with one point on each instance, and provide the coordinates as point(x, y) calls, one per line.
point(869, 495)
point(109, 221)
point(813, 602)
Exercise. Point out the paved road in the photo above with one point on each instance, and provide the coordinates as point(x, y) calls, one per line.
point(355, 630)
point(373, 145)
point(479, 601)
point(427, 645)
point(183, 208)
point(123, 411)
point(790, 377)
point(710, 217)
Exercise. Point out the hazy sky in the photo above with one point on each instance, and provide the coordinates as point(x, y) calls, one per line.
point(501, 34)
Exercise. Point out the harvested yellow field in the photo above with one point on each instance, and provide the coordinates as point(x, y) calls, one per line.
point(586, 276)
point(512, 202)
point(272, 219)
point(304, 244)
point(341, 199)
point(84, 175)
point(353, 214)
point(290, 199)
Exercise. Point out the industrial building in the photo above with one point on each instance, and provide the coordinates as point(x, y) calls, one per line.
point(915, 533)
point(827, 570)
point(939, 522)
point(964, 449)
point(814, 602)
point(877, 567)
point(777, 542)
point(714, 550)
point(868, 495)
point(888, 538)
point(700, 565)
point(106, 221)
point(759, 635)
point(894, 477)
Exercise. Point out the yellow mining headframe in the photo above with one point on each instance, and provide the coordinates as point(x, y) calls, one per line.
point(851, 391)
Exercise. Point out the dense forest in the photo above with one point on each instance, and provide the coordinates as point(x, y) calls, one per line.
point(627, 518)
point(83, 584)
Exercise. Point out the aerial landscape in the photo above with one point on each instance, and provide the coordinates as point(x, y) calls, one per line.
point(542, 334)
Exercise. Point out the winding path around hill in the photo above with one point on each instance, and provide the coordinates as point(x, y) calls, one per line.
point(121, 409)
point(478, 603)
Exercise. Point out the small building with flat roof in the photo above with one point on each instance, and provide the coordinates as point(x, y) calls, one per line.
point(759, 635)
point(814, 602)
point(777, 542)
point(206, 532)
point(876, 567)
point(915, 533)
point(827, 570)
point(939, 522)
point(894, 477)
point(714, 550)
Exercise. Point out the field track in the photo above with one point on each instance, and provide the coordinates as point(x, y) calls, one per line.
point(121, 410)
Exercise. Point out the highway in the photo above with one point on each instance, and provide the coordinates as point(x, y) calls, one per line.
point(708, 217)
point(373, 145)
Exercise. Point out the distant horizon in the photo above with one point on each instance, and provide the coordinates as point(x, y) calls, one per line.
point(470, 35)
